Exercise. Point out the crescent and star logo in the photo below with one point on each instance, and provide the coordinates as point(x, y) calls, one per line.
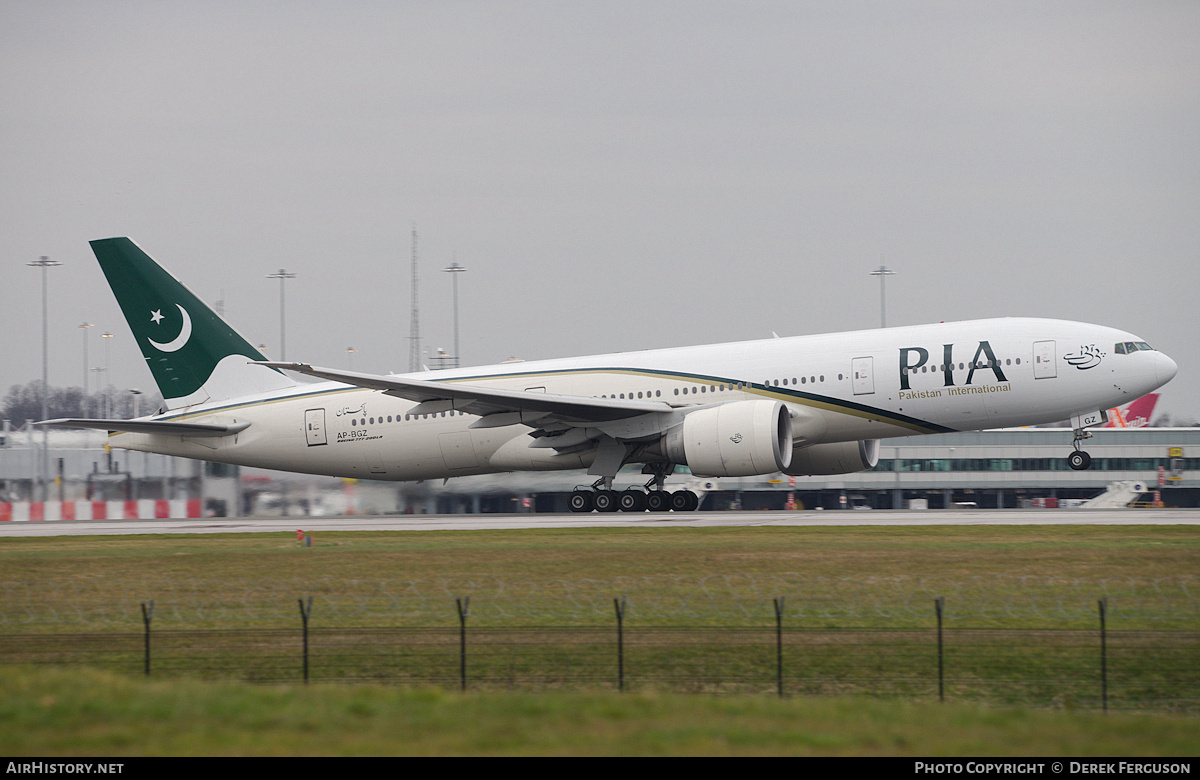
point(179, 341)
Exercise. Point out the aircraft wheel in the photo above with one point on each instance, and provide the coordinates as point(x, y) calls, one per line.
point(684, 501)
point(658, 501)
point(1079, 460)
point(606, 501)
point(581, 501)
point(632, 501)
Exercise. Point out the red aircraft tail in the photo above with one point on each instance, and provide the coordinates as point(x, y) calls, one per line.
point(1135, 414)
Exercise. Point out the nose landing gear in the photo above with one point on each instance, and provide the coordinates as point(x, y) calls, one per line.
point(1079, 460)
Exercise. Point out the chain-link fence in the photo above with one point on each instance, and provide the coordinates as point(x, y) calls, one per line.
point(1047, 642)
point(1037, 667)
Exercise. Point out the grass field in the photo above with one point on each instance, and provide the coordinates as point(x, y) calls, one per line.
point(57, 712)
point(997, 576)
point(841, 588)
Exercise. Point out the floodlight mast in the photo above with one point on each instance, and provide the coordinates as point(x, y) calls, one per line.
point(281, 276)
point(45, 262)
point(414, 323)
point(454, 269)
point(882, 272)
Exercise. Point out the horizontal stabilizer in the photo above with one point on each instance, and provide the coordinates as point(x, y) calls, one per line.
point(151, 426)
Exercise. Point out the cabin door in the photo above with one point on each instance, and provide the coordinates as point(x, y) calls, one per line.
point(314, 427)
point(862, 370)
point(1044, 366)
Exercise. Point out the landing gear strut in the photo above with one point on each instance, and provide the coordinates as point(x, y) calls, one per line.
point(1079, 460)
point(604, 498)
point(657, 498)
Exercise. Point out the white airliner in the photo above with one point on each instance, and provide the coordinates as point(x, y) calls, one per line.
point(802, 405)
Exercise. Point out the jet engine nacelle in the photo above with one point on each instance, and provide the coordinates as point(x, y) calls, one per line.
point(737, 439)
point(843, 457)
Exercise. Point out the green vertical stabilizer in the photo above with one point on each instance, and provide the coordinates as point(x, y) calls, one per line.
point(194, 355)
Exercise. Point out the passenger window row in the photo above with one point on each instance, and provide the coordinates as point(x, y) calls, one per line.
point(354, 422)
point(804, 380)
point(686, 390)
point(963, 366)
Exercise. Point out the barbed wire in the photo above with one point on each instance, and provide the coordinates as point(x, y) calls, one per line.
point(726, 596)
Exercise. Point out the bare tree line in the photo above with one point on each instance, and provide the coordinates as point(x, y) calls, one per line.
point(24, 402)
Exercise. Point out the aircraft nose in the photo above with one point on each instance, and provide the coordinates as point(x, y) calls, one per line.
point(1164, 368)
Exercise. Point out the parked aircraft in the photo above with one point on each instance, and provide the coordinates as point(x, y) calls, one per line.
point(801, 405)
point(1135, 414)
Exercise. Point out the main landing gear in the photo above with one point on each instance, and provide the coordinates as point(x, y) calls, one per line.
point(602, 498)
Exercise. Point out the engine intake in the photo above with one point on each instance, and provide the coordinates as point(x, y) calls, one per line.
point(737, 439)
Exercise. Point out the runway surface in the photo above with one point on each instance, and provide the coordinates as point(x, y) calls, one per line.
point(596, 520)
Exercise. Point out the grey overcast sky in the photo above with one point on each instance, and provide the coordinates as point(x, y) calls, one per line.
point(614, 175)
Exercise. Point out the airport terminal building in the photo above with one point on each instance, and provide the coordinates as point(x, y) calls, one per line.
point(1000, 469)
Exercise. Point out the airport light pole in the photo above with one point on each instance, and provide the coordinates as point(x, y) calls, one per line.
point(145, 471)
point(99, 371)
point(882, 272)
point(281, 276)
point(107, 374)
point(454, 269)
point(350, 358)
point(45, 262)
point(83, 404)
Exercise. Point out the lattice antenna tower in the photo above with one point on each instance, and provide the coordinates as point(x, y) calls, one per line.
point(414, 325)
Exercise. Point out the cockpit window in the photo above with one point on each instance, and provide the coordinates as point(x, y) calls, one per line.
point(1129, 347)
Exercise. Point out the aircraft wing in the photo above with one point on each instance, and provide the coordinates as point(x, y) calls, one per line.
point(495, 406)
point(150, 426)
